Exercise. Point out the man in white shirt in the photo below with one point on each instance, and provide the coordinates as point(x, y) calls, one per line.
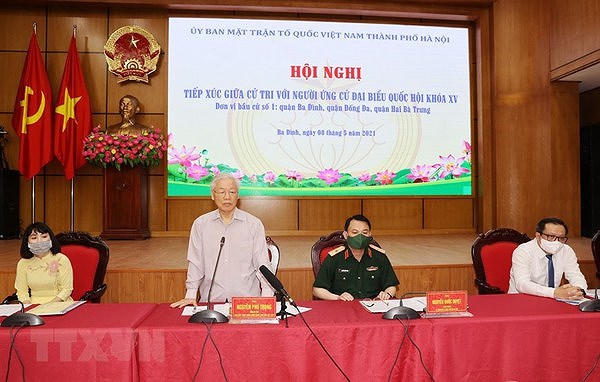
point(539, 264)
point(244, 250)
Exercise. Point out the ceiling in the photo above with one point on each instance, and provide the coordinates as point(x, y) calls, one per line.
point(588, 78)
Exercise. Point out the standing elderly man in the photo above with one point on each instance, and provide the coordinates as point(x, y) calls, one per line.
point(358, 269)
point(538, 265)
point(243, 252)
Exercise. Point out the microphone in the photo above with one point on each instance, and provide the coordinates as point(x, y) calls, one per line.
point(276, 284)
point(592, 305)
point(209, 315)
point(402, 312)
point(22, 319)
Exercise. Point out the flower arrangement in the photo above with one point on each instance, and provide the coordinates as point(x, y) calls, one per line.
point(102, 149)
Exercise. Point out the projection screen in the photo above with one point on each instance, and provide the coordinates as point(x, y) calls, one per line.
point(298, 108)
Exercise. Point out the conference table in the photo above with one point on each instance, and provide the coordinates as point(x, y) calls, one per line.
point(94, 342)
point(509, 338)
point(363, 344)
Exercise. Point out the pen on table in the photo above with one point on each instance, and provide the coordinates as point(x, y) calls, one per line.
point(384, 301)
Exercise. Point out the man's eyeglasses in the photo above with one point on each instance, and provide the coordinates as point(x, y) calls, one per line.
point(223, 192)
point(562, 239)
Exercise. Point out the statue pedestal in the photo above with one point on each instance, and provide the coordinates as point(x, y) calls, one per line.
point(125, 203)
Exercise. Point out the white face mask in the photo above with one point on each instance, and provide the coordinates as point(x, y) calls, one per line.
point(552, 247)
point(40, 247)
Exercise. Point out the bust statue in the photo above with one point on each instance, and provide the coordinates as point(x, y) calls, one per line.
point(129, 106)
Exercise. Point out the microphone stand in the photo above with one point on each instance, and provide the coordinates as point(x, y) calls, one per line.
point(283, 313)
point(592, 305)
point(22, 319)
point(209, 315)
point(279, 292)
point(403, 312)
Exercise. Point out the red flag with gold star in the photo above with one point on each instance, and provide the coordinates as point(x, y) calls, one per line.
point(73, 115)
point(32, 116)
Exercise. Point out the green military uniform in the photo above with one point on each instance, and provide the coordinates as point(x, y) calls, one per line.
point(341, 272)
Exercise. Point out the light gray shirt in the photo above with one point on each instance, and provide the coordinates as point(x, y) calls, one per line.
point(244, 251)
point(529, 271)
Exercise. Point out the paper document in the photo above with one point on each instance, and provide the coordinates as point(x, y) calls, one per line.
point(448, 315)
point(417, 303)
point(7, 310)
point(381, 306)
point(55, 308)
point(221, 308)
point(572, 302)
point(291, 310)
point(590, 293)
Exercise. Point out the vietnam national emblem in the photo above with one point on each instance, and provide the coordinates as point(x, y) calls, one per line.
point(131, 53)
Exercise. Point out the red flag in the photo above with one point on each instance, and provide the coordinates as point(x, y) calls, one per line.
point(32, 117)
point(73, 117)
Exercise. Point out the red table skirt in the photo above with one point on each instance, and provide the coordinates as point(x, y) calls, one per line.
point(510, 337)
point(94, 342)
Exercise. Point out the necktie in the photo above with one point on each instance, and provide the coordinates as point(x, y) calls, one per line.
point(550, 271)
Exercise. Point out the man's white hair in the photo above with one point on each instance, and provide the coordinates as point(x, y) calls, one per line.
point(221, 176)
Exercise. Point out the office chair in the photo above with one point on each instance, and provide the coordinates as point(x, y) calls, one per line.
point(492, 258)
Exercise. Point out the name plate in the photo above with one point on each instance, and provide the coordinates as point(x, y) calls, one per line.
point(447, 302)
point(253, 308)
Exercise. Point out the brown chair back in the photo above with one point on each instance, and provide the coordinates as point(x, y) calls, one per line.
point(274, 254)
point(321, 248)
point(89, 258)
point(596, 252)
point(492, 258)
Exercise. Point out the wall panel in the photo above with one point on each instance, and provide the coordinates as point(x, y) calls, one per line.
point(516, 93)
point(147, 286)
point(575, 41)
point(326, 214)
point(276, 214)
point(152, 95)
point(57, 200)
point(482, 148)
point(11, 150)
point(11, 67)
point(182, 212)
point(95, 24)
point(521, 112)
point(448, 213)
point(167, 285)
point(91, 28)
point(88, 213)
point(565, 156)
point(157, 220)
point(394, 214)
point(16, 26)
